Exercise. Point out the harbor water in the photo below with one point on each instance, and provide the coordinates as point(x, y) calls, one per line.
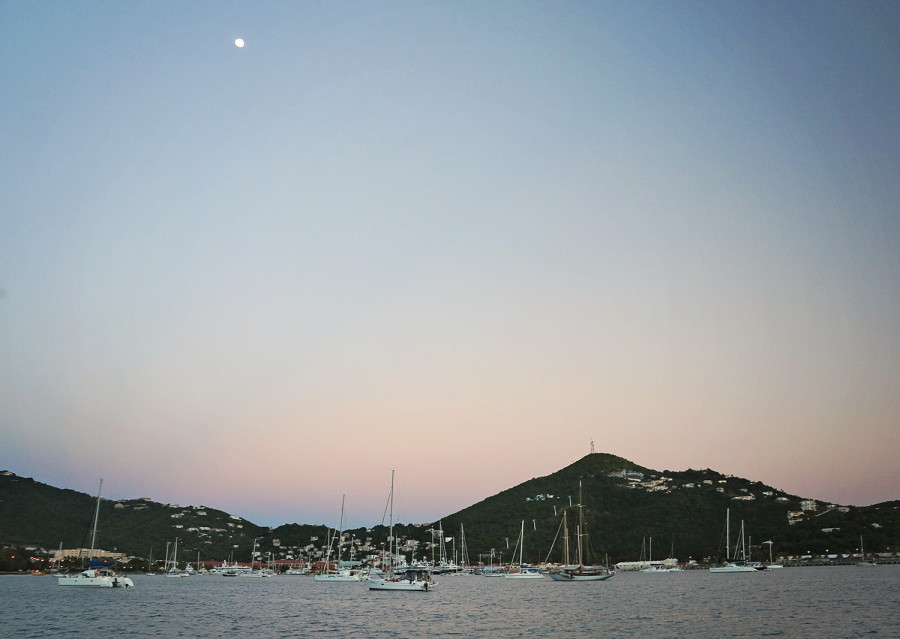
point(841, 601)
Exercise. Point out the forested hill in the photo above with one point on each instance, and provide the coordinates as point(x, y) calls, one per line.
point(624, 506)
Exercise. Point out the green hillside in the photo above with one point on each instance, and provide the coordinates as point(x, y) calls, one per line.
point(684, 513)
point(624, 506)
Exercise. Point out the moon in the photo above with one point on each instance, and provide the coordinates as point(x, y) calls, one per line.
point(239, 43)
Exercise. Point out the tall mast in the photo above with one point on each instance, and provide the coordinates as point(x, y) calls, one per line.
point(580, 525)
point(96, 516)
point(727, 534)
point(340, 533)
point(522, 545)
point(391, 527)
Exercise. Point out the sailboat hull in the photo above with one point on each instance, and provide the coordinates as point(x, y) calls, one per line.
point(89, 580)
point(573, 576)
point(525, 574)
point(733, 568)
point(405, 584)
point(338, 576)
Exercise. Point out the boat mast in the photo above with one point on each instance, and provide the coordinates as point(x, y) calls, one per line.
point(391, 528)
point(96, 516)
point(522, 545)
point(727, 534)
point(580, 526)
point(340, 534)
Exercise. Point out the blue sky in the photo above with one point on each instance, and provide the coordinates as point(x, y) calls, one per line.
point(461, 240)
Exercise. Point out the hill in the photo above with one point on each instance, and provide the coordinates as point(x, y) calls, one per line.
point(684, 512)
point(624, 504)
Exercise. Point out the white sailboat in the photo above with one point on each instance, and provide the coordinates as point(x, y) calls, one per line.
point(174, 571)
point(411, 579)
point(253, 572)
point(522, 571)
point(581, 572)
point(862, 555)
point(772, 565)
point(732, 564)
point(338, 574)
point(98, 574)
point(650, 567)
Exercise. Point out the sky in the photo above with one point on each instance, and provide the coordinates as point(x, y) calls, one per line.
point(460, 240)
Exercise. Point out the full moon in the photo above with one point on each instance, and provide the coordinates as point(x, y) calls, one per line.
point(239, 43)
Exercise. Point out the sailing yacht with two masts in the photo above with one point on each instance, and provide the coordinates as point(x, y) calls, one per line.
point(733, 564)
point(580, 571)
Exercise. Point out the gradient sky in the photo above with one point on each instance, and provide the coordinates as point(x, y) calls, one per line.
point(460, 239)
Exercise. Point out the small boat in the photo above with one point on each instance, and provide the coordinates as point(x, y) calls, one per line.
point(492, 571)
point(650, 567)
point(259, 574)
point(97, 578)
point(99, 574)
point(522, 571)
point(772, 565)
point(416, 579)
point(862, 555)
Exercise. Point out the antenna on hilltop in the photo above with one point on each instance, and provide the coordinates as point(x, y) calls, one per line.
point(592, 446)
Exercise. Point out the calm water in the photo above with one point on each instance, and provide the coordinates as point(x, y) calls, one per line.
point(800, 602)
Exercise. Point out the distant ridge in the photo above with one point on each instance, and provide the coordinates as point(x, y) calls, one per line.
point(624, 503)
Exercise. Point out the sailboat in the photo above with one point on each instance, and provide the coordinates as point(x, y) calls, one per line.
point(581, 572)
point(252, 572)
point(862, 555)
point(492, 572)
point(98, 574)
point(772, 565)
point(174, 571)
point(523, 571)
point(732, 564)
point(650, 566)
point(339, 574)
point(411, 579)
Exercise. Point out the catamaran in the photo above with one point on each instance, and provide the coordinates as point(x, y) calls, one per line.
point(99, 574)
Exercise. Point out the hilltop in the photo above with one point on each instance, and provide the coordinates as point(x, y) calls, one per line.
point(684, 512)
point(624, 504)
